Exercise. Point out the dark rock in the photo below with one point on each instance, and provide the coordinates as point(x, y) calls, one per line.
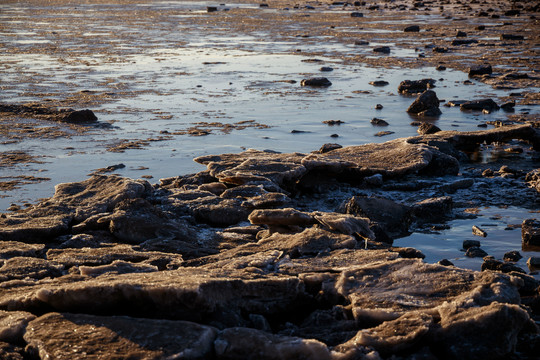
point(530, 232)
point(361, 42)
point(410, 253)
point(441, 50)
point(533, 263)
point(374, 180)
point(328, 147)
point(211, 9)
point(480, 70)
point(382, 49)
point(316, 82)
point(333, 122)
point(505, 267)
point(80, 116)
point(481, 27)
point(433, 208)
point(427, 128)
point(379, 122)
point(379, 83)
point(479, 105)
point(508, 106)
point(470, 243)
point(445, 262)
point(514, 256)
point(326, 69)
point(461, 34)
point(459, 42)
point(378, 107)
point(357, 15)
point(415, 86)
point(427, 104)
point(512, 37)
point(454, 186)
point(412, 28)
point(440, 68)
point(394, 218)
point(475, 251)
point(512, 12)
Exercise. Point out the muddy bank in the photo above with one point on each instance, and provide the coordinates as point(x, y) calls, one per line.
point(270, 255)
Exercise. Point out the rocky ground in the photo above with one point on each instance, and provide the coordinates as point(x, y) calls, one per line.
point(268, 255)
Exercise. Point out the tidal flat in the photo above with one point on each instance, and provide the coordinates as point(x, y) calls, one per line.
point(366, 182)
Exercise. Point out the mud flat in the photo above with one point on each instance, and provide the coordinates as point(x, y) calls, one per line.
point(288, 253)
point(270, 255)
point(170, 81)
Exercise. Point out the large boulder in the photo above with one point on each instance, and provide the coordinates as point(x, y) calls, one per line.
point(427, 104)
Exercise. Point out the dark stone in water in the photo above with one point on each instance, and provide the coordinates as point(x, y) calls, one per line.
point(379, 83)
point(316, 82)
point(505, 267)
point(361, 42)
point(480, 70)
point(412, 28)
point(427, 128)
point(475, 251)
point(427, 104)
point(514, 256)
point(530, 232)
point(80, 116)
point(379, 122)
point(479, 105)
point(382, 50)
point(508, 106)
point(328, 147)
point(513, 12)
point(470, 243)
point(512, 37)
point(445, 262)
point(440, 50)
point(458, 42)
point(326, 69)
point(415, 86)
point(211, 9)
point(357, 14)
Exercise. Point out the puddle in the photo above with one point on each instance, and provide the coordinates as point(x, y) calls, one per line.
point(502, 226)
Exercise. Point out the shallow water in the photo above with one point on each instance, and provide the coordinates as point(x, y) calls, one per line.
point(163, 79)
point(502, 226)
